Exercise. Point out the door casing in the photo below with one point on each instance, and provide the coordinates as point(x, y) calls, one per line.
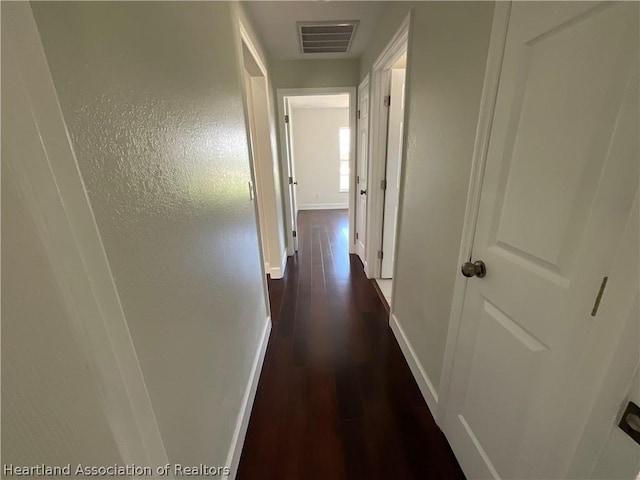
point(378, 113)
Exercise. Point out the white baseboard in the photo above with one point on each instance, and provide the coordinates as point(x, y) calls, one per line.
point(426, 387)
point(323, 206)
point(237, 442)
point(278, 272)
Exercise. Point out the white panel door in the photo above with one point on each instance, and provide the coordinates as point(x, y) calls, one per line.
point(291, 180)
point(362, 169)
point(393, 169)
point(559, 184)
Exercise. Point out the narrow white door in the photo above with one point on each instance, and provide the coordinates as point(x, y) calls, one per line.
point(361, 169)
point(559, 184)
point(394, 167)
point(291, 180)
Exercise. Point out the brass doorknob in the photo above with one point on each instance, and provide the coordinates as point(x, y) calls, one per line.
point(474, 269)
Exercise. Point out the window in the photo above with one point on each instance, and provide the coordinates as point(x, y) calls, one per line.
point(345, 147)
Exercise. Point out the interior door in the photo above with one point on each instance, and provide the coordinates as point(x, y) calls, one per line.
point(291, 180)
point(393, 169)
point(361, 169)
point(560, 180)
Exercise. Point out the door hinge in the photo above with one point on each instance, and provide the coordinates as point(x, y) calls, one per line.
point(290, 180)
point(357, 236)
point(358, 114)
point(596, 305)
point(380, 254)
point(387, 100)
point(295, 234)
point(357, 179)
point(383, 184)
point(286, 119)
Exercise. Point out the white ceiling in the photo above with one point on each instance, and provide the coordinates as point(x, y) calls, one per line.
point(320, 101)
point(276, 24)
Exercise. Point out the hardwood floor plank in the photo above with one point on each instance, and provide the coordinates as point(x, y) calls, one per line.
point(336, 398)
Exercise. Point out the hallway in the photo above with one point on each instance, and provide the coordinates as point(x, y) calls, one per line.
point(336, 399)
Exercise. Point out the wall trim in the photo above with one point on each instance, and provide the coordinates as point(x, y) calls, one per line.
point(240, 432)
point(323, 206)
point(488, 98)
point(429, 392)
point(278, 272)
point(376, 171)
point(248, 41)
point(275, 272)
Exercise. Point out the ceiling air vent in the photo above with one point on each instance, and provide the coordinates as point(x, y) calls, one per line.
point(326, 37)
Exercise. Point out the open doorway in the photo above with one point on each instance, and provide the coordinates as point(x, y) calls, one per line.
point(393, 168)
point(318, 151)
point(265, 187)
point(387, 114)
point(320, 141)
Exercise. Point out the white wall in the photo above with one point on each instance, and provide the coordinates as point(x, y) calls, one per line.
point(52, 411)
point(316, 154)
point(448, 45)
point(152, 96)
point(314, 73)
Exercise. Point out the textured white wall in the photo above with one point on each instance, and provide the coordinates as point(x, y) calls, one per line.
point(151, 94)
point(51, 402)
point(314, 73)
point(316, 153)
point(447, 54)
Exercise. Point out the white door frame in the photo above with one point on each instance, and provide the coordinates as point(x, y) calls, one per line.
point(483, 131)
point(277, 258)
point(393, 173)
point(380, 82)
point(284, 163)
point(256, 186)
point(363, 87)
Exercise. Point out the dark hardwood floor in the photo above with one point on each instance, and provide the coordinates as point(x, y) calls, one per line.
point(336, 399)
